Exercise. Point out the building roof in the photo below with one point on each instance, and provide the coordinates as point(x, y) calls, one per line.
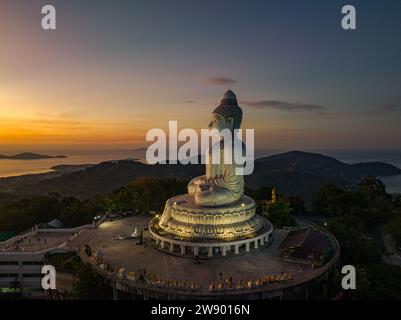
point(55, 223)
point(309, 238)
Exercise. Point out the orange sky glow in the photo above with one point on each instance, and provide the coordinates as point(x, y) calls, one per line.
point(91, 85)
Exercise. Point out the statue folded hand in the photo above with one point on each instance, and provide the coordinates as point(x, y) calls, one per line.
point(221, 185)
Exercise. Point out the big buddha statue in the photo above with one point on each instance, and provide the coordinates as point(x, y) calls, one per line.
point(221, 185)
point(215, 215)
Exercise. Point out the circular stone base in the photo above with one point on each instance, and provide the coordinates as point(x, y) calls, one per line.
point(186, 228)
point(186, 220)
point(217, 252)
point(208, 248)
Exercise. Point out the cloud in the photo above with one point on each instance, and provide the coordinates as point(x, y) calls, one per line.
point(375, 112)
point(221, 81)
point(378, 111)
point(282, 105)
point(385, 109)
point(190, 101)
point(65, 115)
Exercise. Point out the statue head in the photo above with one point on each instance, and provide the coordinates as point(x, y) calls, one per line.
point(228, 115)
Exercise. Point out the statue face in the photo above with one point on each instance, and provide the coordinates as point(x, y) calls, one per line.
point(219, 123)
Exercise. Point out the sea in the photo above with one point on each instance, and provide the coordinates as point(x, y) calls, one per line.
point(10, 168)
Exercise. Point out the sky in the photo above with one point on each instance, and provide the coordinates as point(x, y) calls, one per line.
point(112, 70)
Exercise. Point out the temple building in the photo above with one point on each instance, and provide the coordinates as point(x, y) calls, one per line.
point(214, 216)
point(306, 245)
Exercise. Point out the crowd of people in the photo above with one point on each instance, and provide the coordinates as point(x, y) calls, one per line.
point(224, 283)
point(29, 242)
point(21, 242)
point(141, 275)
point(153, 279)
point(98, 259)
point(227, 283)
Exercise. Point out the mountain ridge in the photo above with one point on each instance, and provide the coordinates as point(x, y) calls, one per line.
point(294, 173)
point(325, 165)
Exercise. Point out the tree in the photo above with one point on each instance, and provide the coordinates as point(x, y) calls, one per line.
point(258, 194)
point(89, 285)
point(355, 247)
point(146, 194)
point(279, 213)
point(22, 214)
point(372, 188)
point(369, 202)
point(394, 227)
point(331, 201)
point(76, 213)
point(297, 205)
point(397, 200)
point(385, 282)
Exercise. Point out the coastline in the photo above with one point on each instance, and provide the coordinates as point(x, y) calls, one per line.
point(17, 168)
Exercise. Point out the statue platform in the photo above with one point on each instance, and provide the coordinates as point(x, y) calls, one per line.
point(204, 229)
point(185, 219)
point(215, 215)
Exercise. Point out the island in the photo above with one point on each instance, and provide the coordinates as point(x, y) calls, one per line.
point(29, 156)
